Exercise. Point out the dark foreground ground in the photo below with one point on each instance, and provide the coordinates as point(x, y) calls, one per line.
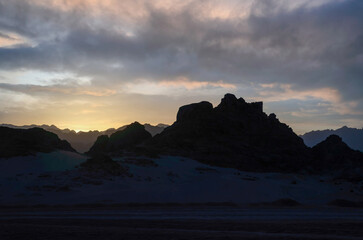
point(182, 223)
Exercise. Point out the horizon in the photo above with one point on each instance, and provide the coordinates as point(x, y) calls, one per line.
point(87, 64)
point(78, 130)
point(155, 124)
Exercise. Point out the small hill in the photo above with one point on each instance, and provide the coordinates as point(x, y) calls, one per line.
point(22, 142)
point(234, 134)
point(352, 136)
point(334, 154)
point(119, 141)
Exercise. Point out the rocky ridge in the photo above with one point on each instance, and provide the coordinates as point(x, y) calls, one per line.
point(22, 142)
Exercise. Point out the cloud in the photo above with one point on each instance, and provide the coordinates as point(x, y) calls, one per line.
point(190, 85)
point(11, 40)
point(180, 86)
point(57, 89)
point(328, 98)
point(305, 49)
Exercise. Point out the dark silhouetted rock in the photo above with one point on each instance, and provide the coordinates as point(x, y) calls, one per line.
point(233, 134)
point(101, 144)
point(126, 139)
point(334, 154)
point(22, 142)
point(103, 164)
point(194, 111)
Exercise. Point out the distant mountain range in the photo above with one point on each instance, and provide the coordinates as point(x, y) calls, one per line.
point(82, 141)
point(353, 137)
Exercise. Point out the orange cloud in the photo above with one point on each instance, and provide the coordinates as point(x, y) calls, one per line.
point(327, 94)
point(11, 39)
point(177, 86)
point(190, 85)
point(137, 9)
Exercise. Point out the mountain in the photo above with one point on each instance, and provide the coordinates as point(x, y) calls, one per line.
point(82, 141)
point(352, 136)
point(121, 140)
point(234, 134)
point(22, 142)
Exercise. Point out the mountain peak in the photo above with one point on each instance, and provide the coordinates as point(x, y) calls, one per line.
point(332, 143)
point(333, 153)
point(334, 139)
point(230, 101)
point(135, 125)
point(229, 98)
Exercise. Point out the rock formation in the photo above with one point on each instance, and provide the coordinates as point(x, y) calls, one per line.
point(104, 165)
point(22, 142)
point(233, 134)
point(120, 141)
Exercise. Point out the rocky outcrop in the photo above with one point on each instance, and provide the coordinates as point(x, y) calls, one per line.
point(334, 154)
point(126, 139)
point(104, 165)
point(233, 134)
point(194, 111)
point(22, 142)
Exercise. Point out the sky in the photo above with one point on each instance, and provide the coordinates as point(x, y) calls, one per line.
point(88, 64)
